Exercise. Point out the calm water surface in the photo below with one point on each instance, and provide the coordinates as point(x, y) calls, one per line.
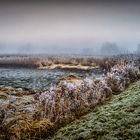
point(35, 79)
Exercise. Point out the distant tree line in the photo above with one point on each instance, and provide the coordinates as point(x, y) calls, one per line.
point(110, 49)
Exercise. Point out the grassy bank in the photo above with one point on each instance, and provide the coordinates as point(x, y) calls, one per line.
point(118, 118)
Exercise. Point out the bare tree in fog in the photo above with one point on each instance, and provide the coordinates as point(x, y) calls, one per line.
point(109, 49)
point(2, 47)
point(124, 50)
point(25, 48)
point(87, 51)
point(138, 49)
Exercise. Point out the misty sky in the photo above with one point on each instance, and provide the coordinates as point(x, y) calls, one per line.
point(80, 24)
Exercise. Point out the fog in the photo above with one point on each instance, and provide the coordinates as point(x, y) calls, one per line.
point(68, 27)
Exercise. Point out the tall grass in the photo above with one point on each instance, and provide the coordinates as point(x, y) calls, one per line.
point(44, 61)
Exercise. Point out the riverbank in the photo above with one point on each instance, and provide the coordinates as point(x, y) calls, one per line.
point(118, 118)
point(56, 107)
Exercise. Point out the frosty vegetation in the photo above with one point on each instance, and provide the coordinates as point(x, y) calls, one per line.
point(71, 98)
point(37, 61)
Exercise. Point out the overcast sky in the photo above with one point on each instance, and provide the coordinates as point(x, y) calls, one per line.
point(64, 24)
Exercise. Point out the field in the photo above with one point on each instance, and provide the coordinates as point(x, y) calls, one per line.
point(41, 94)
point(117, 118)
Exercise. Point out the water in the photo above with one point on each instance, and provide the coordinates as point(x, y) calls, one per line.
point(34, 79)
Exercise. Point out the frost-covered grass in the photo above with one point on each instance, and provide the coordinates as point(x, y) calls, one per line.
point(118, 118)
point(65, 61)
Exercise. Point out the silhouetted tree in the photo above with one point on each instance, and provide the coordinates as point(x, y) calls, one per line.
point(86, 51)
point(138, 49)
point(2, 47)
point(110, 49)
